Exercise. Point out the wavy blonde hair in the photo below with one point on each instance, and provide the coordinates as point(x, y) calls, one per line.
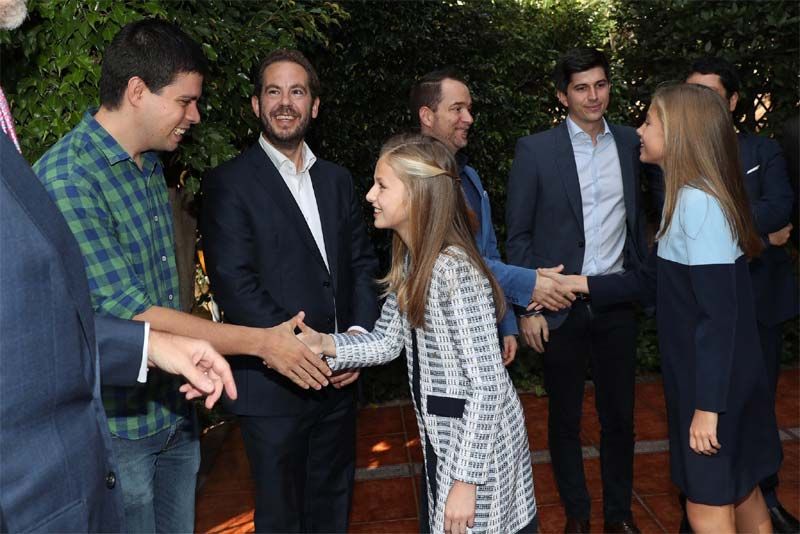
point(701, 150)
point(438, 218)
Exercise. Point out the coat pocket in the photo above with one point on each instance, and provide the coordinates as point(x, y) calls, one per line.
point(446, 406)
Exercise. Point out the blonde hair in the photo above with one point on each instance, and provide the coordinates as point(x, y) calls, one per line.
point(701, 150)
point(438, 218)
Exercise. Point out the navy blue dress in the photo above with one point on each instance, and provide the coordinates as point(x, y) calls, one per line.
point(711, 357)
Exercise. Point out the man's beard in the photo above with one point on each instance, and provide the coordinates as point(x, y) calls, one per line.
point(288, 140)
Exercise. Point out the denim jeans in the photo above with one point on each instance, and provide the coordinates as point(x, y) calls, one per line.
point(157, 475)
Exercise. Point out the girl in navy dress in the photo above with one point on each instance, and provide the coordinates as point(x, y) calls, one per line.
point(723, 437)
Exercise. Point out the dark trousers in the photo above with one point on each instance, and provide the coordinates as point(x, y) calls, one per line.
point(606, 339)
point(771, 338)
point(303, 466)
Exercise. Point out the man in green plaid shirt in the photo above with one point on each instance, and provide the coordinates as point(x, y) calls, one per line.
point(108, 182)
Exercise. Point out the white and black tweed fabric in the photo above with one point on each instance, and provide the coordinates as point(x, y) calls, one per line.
point(469, 408)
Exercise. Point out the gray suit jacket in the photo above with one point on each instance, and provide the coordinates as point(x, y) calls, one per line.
point(469, 409)
point(57, 470)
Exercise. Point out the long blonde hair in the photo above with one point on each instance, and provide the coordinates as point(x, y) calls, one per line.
point(438, 218)
point(701, 150)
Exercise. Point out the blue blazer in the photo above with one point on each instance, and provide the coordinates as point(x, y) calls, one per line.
point(544, 211)
point(265, 266)
point(771, 200)
point(57, 471)
point(517, 283)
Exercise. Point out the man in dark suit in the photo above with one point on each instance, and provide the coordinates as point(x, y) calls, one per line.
point(573, 199)
point(58, 473)
point(771, 200)
point(283, 232)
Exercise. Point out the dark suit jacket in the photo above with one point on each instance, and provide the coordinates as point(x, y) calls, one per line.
point(54, 441)
point(771, 200)
point(544, 213)
point(265, 265)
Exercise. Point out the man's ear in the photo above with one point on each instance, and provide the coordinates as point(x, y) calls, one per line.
point(315, 108)
point(256, 105)
point(563, 99)
point(733, 100)
point(426, 117)
point(135, 91)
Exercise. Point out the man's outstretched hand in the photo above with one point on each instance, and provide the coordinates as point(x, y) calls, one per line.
point(206, 371)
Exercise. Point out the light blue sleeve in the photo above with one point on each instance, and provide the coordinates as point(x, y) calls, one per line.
point(709, 239)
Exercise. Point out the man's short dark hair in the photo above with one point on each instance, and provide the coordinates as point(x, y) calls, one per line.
point(578, 60)
point(155, 51)
point(428, 90)
point(292, 56)
point(722, 68)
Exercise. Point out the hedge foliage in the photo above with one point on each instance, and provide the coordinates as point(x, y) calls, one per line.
point(369, 52)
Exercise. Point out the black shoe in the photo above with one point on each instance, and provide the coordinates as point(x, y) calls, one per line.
point(621, 527)
point(783, 521)
point(576, 526)
point(685, 527)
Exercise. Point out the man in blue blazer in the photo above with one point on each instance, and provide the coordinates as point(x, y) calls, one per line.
point(441, 103)
point(283, 231)
point(57, 470)
point(574, 199)
point(771, 201)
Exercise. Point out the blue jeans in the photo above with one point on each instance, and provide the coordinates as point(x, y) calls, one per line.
point(157, 475)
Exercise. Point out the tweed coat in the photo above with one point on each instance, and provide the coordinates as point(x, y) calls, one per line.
point(469, 409)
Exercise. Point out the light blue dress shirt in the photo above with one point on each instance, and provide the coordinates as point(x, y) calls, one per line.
point(602, 198)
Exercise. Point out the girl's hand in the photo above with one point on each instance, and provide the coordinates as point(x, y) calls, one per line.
point(459, 510)
point(703, 433)
point(316, 342)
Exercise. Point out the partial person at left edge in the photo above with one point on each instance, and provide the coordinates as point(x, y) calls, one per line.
point(57, 470)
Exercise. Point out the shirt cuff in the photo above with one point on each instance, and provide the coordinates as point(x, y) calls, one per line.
point(356, 328)
point(143, 367)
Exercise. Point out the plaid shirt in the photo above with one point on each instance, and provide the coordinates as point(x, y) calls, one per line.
point(122, 220)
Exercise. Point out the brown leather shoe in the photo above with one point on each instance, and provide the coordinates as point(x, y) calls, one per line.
point(621, 527)
point(576, 526)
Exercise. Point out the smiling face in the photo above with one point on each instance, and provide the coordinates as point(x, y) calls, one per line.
point(285, 106)
point(170, 112)
point(389, 199)
point(587, 97)
point(452, 119)
point(651, 134)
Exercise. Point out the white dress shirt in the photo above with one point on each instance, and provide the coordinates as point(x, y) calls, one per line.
point(299, 183)
point(602, 198)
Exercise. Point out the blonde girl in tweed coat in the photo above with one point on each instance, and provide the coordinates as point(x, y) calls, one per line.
point(442, 305)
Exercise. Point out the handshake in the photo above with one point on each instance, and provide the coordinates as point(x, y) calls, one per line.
point(555, 291)
point(298, 356)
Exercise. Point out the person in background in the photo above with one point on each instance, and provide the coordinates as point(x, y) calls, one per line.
point(441, 103)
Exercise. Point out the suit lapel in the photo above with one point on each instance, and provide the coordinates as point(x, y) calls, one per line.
point(626, 153)
point(326, 197)
point(568, 171)
point(32, 196)
point(271, 180)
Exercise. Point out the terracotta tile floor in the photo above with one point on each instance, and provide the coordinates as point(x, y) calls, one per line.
point(385, 495)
